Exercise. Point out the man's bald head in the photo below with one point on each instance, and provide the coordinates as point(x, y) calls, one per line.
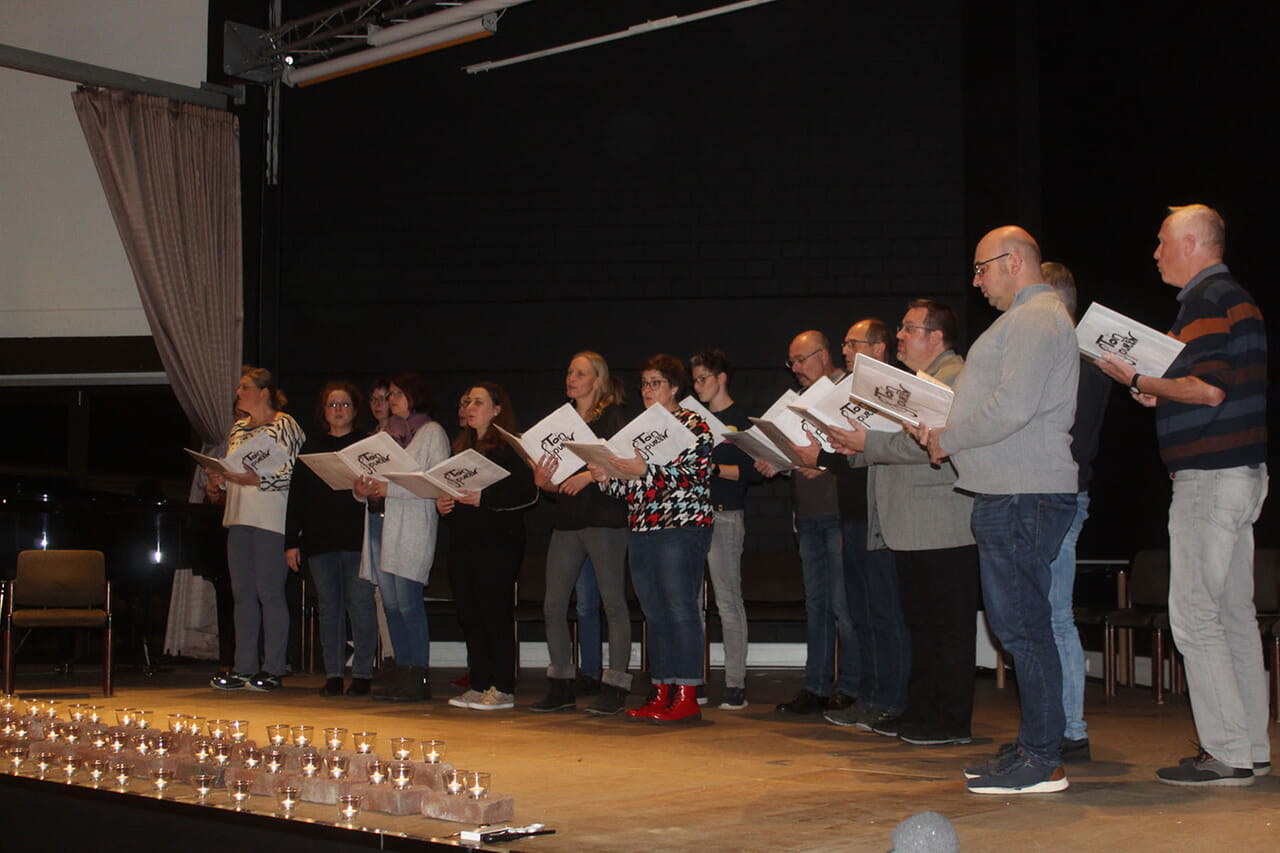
point(1006, 260)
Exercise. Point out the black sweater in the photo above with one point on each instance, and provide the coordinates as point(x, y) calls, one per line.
point(320, 519)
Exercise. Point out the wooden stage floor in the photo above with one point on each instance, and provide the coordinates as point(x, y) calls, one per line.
point(756, 780)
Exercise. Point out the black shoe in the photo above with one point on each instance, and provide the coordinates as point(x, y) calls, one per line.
point(612, 700)
point(560, 697)
point(1075, 751)
point(733, 699)
point(586, 686)
point(264, 682)
point(841, 701)
point(804, 703)
point(414, 687)
point(360, 687)
point(888, 727)
point(1205, 771)
point(332, 687)
point(701, 694)
point(229, 681)
point(918, 734)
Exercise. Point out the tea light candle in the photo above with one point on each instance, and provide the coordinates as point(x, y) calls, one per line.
point(336, 766)
point(118, 741)
point(278, 734)
point(122, 770)
point(162, 744)
point(477, 785)
point(124, 716)
point(402, 748)
point(142, 744)
point(288, 796)
point(195, 725)
point(432, 751)
point(401, 775)
point(310, 760)
point(203, 784)
point(377, 772)
point(366, 742)
point(221, 753)
point(71, 733)
point(455, 781)
point(161, 777)
point(97, 737)
point(70, 764)
point(349, 806)
point(201, 749)
point(251, 756)
point(335, 738)
point(143, 719)
point(239, 730)
point(240, 789)
point(98, 768)
point(18, 756)
point(93, 713)
point(49, 710)
point(53, 733)
point(303, 735)
point(219, 729)
point(273, 760)
point(76, 712)
point(177, 723)
point(8, 703)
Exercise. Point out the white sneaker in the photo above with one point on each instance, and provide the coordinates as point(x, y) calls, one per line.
point(493, 699)
point(465, 700)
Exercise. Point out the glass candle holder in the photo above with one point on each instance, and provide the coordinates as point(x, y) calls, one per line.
point(8, 703)
point(49, 709)
point(477, 785)
point(310, 762)
point(195, 725)
point(202, 784)
point(69, 764)
point(177, 723)
point(278, 734)
point(401, 775)
point(221, 753)
point(219, 729)
point(144, 719)
point(161, 779)
point(76, 712)
point(163, 743)
point(124, 716)
point(117, 742)
point(366, 742)
point(288, 797)
point(303, 735)
point(455, 781)
point(402, 748)
point(433, 751)
point(97, 736)
point(202, 749)
point(240, 789)
point(239, 730)
point(122, 771)
point(273, 760)
point(336, 766)
point(72, 733)
point(377, 771)
point(142, 744)
point(349, 807)
point(99, 768)
point(335, 738)
point(250, 757)
point(18, 755)
point(44, 760)
point(53, 733)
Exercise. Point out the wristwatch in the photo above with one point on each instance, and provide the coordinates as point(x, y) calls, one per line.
point(1133, 383)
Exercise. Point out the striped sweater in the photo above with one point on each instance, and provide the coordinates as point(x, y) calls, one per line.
point(1226, 346)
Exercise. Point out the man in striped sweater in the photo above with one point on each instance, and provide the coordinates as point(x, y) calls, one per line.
point(1211, 422)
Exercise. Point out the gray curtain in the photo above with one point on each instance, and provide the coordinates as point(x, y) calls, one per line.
point(171, 172)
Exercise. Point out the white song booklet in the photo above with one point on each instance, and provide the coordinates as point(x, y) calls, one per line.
point(910, 397)
point(655, 434)
point(369, 457)
point(547, 438)
point(1102, 330)
point(259, 454)
point(468, 471)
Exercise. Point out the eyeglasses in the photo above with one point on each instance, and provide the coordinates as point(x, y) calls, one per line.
point(850, 343)
point(912, 328)
point(977, 268)
point(394, 392)
point(653, 384)
point(801, 359)
point(378, 398)
point(338, 405)
point(698, 380)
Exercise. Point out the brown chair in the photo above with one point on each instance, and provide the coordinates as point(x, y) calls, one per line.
point(58, 589)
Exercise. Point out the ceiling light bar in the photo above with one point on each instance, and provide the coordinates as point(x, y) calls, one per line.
point(350, 63)
point(476, 8)
point(636, 30)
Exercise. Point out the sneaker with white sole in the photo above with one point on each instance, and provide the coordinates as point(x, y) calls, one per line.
point(493, 699)
point(229, 681)
point(733, 699)
point(464, 700)
point(1026, 776)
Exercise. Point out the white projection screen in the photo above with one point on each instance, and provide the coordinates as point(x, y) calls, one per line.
point(63, 272)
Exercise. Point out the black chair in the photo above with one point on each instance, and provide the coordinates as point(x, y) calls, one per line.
point(58, 589)
point(530, 590)
point(1148, 609)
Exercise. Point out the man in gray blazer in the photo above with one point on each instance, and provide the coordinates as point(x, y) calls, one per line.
point(916, 512)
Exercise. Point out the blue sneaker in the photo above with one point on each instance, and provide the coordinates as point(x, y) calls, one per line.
point(1023, 776)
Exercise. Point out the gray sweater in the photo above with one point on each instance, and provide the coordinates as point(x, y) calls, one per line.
point(1010, 426)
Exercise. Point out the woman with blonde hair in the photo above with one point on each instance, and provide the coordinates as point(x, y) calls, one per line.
point(587, 523)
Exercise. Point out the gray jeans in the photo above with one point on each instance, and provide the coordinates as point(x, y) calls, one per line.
point(255, 558)
point(1211, 608)
point(724, 560)
point(607, 547)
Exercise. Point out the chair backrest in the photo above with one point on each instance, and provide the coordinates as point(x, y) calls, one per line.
point(772, 578)
point(1266, 580)
point(1149, 579)
point(531, 580)
point(60, 579)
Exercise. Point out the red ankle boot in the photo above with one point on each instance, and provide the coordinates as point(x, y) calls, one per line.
point(660, 700)
point(683, 707)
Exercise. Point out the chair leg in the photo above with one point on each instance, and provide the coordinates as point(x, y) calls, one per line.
point(107, 661)
point(1157, 666)
point(1109, 660)
point(8, 659)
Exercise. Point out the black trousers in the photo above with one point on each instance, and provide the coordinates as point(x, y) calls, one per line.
point(940, 605)
point(483, 574)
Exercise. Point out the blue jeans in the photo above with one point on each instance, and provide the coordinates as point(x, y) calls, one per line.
point(1211, 608)
point(666, 571)
point(587, 595)
point(340, 594)
point(826, 607)
point(1018, 537)
point(1065, 634)
point(875, 609)
point(402, 605)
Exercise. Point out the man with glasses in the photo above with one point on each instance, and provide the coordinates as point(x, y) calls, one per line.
point(1009, 434)
point(916, 512)
point(817, 521)
point(1211, 421)
point(732, 472)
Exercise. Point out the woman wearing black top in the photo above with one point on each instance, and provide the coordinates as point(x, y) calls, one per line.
point(587, 522)
point(328, 526)
point(486, 545)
